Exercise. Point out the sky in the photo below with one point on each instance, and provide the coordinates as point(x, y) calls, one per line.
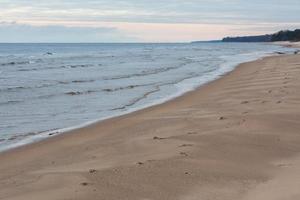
point(142, 20)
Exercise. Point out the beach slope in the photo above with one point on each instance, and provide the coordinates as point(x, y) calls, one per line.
point(235, 138)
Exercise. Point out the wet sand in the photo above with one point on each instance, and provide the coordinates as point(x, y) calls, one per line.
point(235, 138)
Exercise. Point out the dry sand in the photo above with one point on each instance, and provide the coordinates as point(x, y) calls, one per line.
point(237, 138)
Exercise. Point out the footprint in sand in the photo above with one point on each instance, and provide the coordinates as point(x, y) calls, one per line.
point(92, 171)
point(147, 161)
point(183, 153)
point(284, 165)
point(158, 138)
point(84, 184)
point(186, 145)
point(244, 102)
point(192, 133)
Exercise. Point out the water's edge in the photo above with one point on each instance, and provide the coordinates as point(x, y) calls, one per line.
point(53, 133)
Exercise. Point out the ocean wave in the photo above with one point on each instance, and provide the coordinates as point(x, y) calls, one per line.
point(10, 102)
point(157, 89)
point(48, 53)
point(55, 67)
point(36, 69)
point(185, 60)
point(15, 137)
point(15, 63)
point(71, 93)
point(20, 136)
point(76, 81)
point(136, 100)
point(18, 88)
point(79, 93)
point(76, 93)
point(83, 81)
point(80, 66)
point(14, 88)
point(70, 66)
point(125, 88)
point(143, 73)
point(27, 70)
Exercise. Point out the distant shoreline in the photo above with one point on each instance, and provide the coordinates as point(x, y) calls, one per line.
point(281, 36)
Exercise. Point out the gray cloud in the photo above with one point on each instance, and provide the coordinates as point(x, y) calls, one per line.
point(166, 11)
point(12, 32)
point(258, 15)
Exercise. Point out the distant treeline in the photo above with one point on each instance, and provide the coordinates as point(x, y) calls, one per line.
point(279, 36)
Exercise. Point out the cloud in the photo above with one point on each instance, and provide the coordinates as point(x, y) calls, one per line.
point(7, 22)
point(145, 11)
point(126, 20)
point(13, 32)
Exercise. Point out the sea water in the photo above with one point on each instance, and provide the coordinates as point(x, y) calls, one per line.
point(46, 89)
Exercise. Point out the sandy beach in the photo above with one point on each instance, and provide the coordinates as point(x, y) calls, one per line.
point(234, 138)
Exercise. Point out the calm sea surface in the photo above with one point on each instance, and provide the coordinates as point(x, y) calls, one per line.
point(49, 88)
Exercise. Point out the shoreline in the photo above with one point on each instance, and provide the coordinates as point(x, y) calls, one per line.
point(45, 135)
point(223, 140)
